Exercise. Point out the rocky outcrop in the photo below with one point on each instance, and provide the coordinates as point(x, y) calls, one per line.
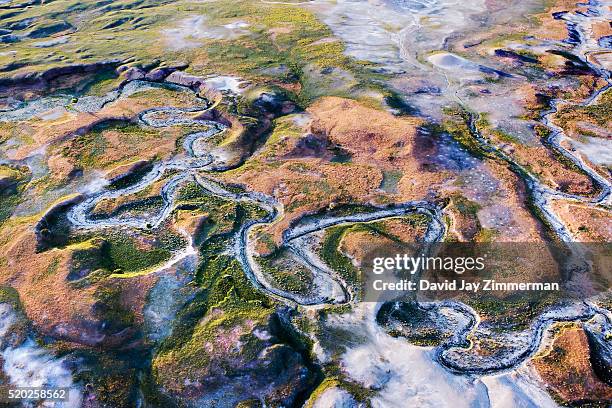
point(151, 72)
point(43, 79)
point(159, 74)
point(132, 73)
point(194, 82)
point(46, 234)
point(185, 79)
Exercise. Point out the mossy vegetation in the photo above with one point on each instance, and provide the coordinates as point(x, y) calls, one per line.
point(458, 124)
point(280, 36)
point(9, 295)
point(109, 143)
point(515, 312)
point(299, 59)
point(32, 26)
point(19, 328)
point(465, 206)
point(332, 255)
point(284, 129)
point(338, 381)
point(390, 181)
point(598, 113)
point(286, 273)
point(498, 136)
point(109, 308)
point(335, 377)
point(121, 253)
point(225, 301)
point(280, 42)
point(130, 178)
point(13, 180)
point(113, 376)
point(134, 208)
point(335, 259)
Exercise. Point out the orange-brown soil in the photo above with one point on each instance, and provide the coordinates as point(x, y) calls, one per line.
point(578, 122)
point(357, 244)
point(543, 164)
point(587, 224)
point(549, 27)
point(567, 370)
point(538, 158)
point(305, 180)
point(53, 131)
point(107, 206)
point(601, 29)
point(303, 186)
point(54, 305)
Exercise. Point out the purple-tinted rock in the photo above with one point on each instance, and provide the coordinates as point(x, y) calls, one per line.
point(134, 73)
point(182, 78)
point(158, 74)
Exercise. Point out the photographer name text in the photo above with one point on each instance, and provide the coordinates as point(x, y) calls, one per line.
point(380, 285)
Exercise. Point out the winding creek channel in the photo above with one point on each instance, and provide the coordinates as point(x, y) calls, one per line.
point(331, 288)
point(197, 162)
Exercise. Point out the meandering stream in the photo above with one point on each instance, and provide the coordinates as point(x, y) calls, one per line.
point(332, 290)
point(192, 165)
